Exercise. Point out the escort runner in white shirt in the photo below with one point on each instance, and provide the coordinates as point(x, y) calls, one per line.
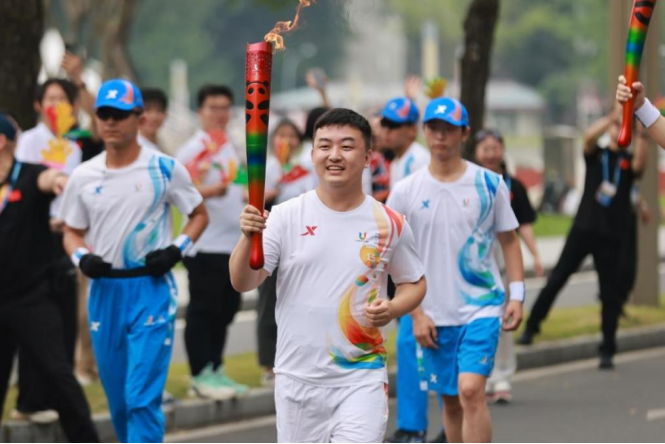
point(457, 210)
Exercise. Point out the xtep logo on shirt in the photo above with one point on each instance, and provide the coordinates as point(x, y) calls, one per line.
point(310, 231)
point(466, 202)
point(425, 204)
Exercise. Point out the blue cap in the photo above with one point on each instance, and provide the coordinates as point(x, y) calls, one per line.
point(401, 110)
point(120, 94)
point(7, 127)
point(447, 109)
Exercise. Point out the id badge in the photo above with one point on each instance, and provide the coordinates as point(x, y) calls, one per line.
point(606, 193)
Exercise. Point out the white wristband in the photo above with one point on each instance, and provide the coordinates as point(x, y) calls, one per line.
point(517, 291)
point(184, 243)
point(648, 114)
point(78, 254)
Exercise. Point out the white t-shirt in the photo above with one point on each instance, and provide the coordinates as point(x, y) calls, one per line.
point(143, 141)
point(288, 185)
point(415, 158)
point(127, 210)
point(454, 224)
point(39, 145)
point(224, 211)
point(330, 265)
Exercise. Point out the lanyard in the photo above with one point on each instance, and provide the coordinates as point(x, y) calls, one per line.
point(617, 169)
point(12, 183)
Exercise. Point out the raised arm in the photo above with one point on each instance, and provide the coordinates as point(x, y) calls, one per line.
point(243, 277)
point(648, 114)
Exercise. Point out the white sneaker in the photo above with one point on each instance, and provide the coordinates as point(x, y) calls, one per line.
point(207, 385)
point(503, 392)
point(40, 417)
point(268, 380)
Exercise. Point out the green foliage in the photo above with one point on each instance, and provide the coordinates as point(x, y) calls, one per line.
point(554, 46)
point(210, 35)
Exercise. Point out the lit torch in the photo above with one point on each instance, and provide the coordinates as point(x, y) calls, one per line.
point(258, 73)
point(637, 35)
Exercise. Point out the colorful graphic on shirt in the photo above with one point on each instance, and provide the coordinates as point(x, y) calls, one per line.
point(475, 258)
point(150, 232)
point(369, 352)
point(61, 120)
point(204, 161)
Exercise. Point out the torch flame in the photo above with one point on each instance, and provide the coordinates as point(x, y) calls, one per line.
point(274, 36)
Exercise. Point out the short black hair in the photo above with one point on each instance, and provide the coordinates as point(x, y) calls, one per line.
point(155, 96)
point(71, 91)
point(346, 117)
point(213, 90)
point(312, 117)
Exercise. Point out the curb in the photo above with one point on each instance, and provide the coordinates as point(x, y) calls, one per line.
point(192, 414)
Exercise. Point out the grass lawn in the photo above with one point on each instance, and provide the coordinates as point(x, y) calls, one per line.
point(552, 225)
point(562, 323)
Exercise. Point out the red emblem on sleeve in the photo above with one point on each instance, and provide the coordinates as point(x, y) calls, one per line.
point(14, 196)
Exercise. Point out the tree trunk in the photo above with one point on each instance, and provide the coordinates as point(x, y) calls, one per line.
point(117, 62)
point(76, 11)
point(21, 30)
point(479, 37)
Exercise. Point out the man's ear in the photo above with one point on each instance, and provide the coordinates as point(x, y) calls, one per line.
point(466, 132)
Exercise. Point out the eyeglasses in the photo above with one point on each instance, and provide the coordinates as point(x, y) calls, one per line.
point(485, 133)
point(116, 114)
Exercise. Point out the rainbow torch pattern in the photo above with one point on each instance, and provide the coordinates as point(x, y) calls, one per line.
point(637, 35)
point(258, 71)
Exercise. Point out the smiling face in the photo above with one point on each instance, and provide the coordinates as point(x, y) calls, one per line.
point(489, 153)
point(339, 156)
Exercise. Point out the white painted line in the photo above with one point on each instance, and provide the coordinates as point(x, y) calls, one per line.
point(586, 364)
point(655, 414)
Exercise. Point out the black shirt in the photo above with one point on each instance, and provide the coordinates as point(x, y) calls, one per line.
point(519, 201)
point(25, 236)
point(611, 220)
point(90, 146)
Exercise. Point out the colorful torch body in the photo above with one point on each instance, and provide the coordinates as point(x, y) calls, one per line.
point(637, 35)
point(258, 70)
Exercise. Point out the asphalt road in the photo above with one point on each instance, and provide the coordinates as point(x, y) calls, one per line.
point(566, 403)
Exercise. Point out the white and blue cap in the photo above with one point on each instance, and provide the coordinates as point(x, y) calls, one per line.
point(401, 110)
point(120, 94)
point(447, 109)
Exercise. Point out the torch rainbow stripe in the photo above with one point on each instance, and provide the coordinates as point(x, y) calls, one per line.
point(637, 35)
point(258, 71)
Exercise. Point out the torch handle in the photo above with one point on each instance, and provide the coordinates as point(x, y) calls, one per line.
point(256, 252)
point(626, 132)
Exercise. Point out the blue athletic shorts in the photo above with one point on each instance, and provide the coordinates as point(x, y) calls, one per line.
point(466, 348)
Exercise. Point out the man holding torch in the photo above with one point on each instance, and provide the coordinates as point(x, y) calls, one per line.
point(335, 247)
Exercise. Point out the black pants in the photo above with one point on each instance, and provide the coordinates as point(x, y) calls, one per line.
point(628, 259)
point(37, 330)
point(213, 303)
point(266, 325)
point(605, 252)
point(32, 393)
